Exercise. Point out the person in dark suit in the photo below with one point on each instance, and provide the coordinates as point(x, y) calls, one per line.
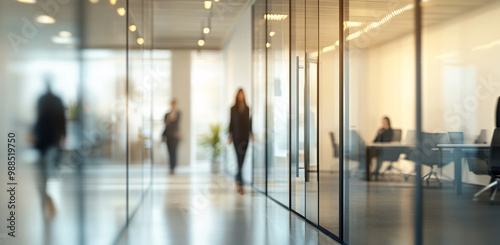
point(240, 130)
point(384, 134)
point(172, 134)
point(49, 133)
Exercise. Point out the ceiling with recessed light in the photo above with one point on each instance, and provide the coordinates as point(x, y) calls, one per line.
point(179, 24)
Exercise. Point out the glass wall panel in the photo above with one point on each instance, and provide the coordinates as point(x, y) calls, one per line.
point(278, 100)
point(379, 121)
point(297, 102)
point(104, 115)
point(328, 130)
point(138, 133)
point(460, 91)
point(148, 86)
point(63, 84)
point(40, 80)
point(259, 95)
point(310, 90)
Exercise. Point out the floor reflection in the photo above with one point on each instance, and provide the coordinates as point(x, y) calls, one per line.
point(195, 207)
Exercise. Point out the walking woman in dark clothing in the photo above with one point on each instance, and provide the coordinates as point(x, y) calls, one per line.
point(240, 130)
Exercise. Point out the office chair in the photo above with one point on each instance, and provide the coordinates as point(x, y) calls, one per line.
point(356, 150)
point(497, 122)
point(492, 168)
point(433, 157)
point(334, 145)
point(392, 156)
point(453, 138)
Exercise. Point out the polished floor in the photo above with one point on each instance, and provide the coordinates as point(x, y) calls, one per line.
point(191, 207)
point(195, 207)
point(88, 210)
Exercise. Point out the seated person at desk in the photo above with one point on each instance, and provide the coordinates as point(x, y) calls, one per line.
point(384, 134)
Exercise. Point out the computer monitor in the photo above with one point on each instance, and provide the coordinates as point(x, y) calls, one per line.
point(411, 136)
point(456, 137)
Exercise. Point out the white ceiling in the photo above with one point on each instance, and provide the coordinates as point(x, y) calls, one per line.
point(178, 23)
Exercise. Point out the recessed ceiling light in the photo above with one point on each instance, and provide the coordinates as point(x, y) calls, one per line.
point(208, 4)
point(206, 30)
point(132, 28)
point(216, 1)
point(275, 16)
point(121, 11)
point(140, 41)
point(93, 1)
point(65, 34)
point(349, 24)
point(63, 40)
point(201, 42)
point(272, 33)
point(45, 19)
point(27, 1)
point(112, 2)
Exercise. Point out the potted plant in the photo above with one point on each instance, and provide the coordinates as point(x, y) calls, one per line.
point(213, 142)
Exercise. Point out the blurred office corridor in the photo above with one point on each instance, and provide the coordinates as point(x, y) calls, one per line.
point(249, 122)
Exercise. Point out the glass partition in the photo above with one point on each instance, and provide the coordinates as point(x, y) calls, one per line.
point(65, 84)
point(259, 95)
point(297, 102)
point(379, 118)
point(459, 106)
point(278, 100)
point(328, 113)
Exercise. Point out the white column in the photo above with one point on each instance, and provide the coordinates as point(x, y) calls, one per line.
point(181, 91)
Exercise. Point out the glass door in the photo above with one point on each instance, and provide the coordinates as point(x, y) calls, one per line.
point(304, 108)
point(311, 136)
point(297, 106)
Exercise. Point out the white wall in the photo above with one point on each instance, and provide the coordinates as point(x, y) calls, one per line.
point(207, 98)
point(329, 109)
point(238, 58)
point(461, 80)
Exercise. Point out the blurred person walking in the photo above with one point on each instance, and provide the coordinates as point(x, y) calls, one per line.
point(49, 134)
point(171, 134)
point(240, 130)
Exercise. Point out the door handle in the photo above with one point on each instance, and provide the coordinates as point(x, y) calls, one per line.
point(307, 111)
point(295, 150)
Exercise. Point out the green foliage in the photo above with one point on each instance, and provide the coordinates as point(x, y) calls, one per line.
point(213, 141)
point(73, 111)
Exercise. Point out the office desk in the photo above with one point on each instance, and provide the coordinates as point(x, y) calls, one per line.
point(374, 150)
point(458, 154)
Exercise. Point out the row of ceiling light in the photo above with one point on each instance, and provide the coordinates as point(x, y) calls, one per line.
point(65, 36)
point(121, 12)
point(206, 27)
